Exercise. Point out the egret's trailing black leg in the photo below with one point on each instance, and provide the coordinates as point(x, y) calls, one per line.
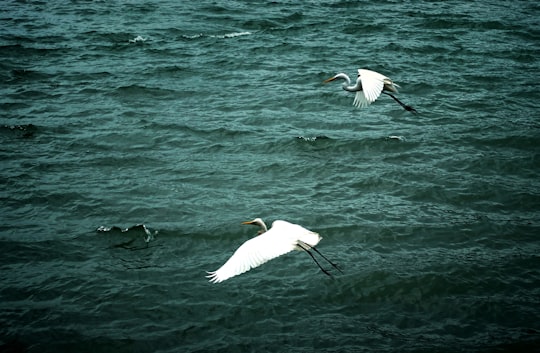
point(314, 259)
point(305, 246)
point(406, 107)
point(330, 262)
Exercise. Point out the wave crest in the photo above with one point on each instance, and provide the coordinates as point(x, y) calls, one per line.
point(137, 230)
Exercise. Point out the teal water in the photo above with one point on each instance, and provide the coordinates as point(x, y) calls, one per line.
point(191, 118)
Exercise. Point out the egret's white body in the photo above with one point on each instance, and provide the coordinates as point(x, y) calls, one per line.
point(282, 238)
point(368, 87)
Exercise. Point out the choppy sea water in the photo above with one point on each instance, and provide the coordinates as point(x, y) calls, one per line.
point(137, 136)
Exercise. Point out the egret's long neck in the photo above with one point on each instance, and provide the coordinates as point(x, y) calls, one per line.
point(348, 87)
point(347, 84)
point(263, 226)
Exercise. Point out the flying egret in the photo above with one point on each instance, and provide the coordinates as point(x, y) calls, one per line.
point(369, 86)
point(282, 238)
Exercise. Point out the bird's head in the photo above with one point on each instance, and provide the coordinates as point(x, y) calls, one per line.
point(341, 76)
point(257, 222)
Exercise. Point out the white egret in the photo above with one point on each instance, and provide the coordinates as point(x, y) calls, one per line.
point(369, 86)
point(282, 238)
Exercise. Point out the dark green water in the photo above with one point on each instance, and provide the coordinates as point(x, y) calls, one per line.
point(218, 115)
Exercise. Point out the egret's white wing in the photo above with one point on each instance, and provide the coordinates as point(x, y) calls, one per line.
point(372, 86)
point(279, 240)
point(294, 233)
point(252, 253)
point(360, 100)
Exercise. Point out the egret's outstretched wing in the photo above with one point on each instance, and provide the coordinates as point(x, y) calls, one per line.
point(279, 240)
point(372, 86)
point(295, 232)
point(360, 100)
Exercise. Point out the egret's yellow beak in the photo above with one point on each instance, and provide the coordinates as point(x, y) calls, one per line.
point(247, 222)
point(329, 80)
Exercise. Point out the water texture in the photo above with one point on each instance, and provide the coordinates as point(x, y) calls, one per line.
point(136, 136)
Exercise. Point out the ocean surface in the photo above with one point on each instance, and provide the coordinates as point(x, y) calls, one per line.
point(136, 136)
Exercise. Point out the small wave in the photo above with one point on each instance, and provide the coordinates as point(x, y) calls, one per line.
point(138, 39)
point(232, 35)
point(147, 234)
point(219, 36)
point(192, 36)
point(395, 137)
point(25, 131)
point(313, 138)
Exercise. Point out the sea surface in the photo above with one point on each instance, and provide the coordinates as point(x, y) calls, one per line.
point(137, 136)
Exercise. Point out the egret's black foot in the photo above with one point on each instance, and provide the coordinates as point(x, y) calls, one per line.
point(410, 109)
point(336, 266)
point(326, 273)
